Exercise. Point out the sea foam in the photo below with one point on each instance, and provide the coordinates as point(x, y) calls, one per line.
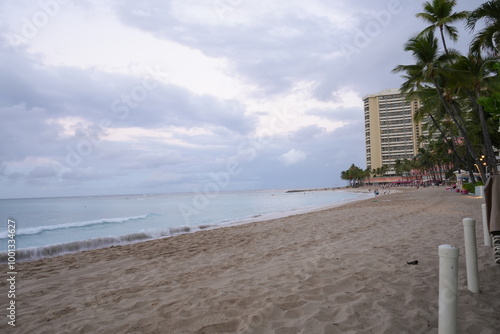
point(41, 229)
point(34, 253)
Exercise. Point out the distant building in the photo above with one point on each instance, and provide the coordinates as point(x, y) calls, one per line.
point(390, 131)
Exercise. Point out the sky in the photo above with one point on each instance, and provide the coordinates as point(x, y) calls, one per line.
point(161, 96)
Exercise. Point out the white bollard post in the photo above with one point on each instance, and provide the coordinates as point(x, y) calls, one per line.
point(486, 232)
point(471, 254)
point(448, 289)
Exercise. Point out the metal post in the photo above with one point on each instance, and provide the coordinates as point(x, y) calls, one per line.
point(471, 254)
point(486, 232)
point(448, 289)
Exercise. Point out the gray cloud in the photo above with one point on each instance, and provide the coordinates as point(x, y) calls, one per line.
point(126, 133)
point(306, 133)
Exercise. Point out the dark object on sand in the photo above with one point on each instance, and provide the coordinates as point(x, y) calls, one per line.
point(492, 200)
point(413, 263)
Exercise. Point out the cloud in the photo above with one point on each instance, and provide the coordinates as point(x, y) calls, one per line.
point(140, 96)
point(293, 157)
point(306, 133)
point(153, 160)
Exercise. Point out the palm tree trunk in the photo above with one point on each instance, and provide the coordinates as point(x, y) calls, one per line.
point(470, 165)
point(454, 114)
point(488, 147)
point(450, 143)
point(442, 38)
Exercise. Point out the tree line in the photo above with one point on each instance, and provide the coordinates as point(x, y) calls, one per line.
point(459, 93)
point(454, 88)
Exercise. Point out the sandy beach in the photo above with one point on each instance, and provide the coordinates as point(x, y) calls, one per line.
point(340, 270)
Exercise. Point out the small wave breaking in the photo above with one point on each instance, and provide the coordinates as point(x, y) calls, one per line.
point(30, 254)
point(41, 229)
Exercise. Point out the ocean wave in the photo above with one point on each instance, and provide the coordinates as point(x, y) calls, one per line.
point(29, 254)
point(40, 229)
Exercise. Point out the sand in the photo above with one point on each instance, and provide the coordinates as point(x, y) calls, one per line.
point(341, 270)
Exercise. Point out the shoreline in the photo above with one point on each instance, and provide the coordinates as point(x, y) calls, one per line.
point(334, 270)
point(54, 250)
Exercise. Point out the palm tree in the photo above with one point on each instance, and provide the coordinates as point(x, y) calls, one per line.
point(489, 37)
point(442, 157)
point(357, 173)
point(440, 124)
point(398, 167)
point(408, 166)
point(472, 74)
point(431, 70)
point(368, 174)
point(439, 13)
point(344, 175)
point(384, 169)
point(354, 175)
point(430, 161)
point(380, 171)
point(491, 103)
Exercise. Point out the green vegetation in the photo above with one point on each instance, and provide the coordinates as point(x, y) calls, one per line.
point(354, 175)
point(459, 94)
point(471, 187)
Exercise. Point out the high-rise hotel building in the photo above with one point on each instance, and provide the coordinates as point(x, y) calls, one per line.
point(390, 130)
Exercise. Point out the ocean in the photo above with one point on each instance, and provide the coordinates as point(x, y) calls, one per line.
point(47, 227)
